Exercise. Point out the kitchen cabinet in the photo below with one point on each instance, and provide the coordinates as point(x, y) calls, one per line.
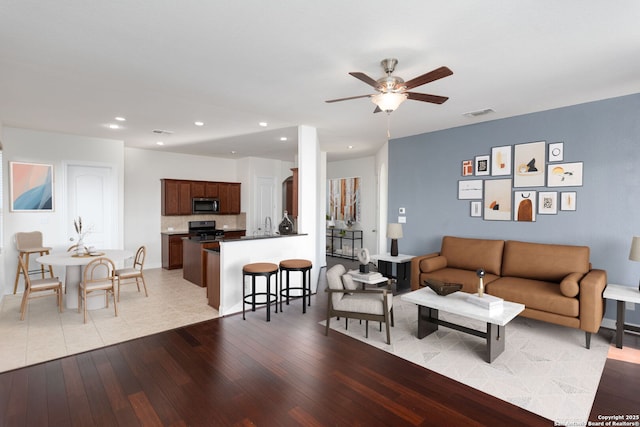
point(172, 250)
point(229, 195)
point(194, 259)
point(233, 235)
point(177, 194)
point(213, 277)
point(176, 197)
point(204, 189)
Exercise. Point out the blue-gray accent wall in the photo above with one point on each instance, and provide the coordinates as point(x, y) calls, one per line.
point(424, 171)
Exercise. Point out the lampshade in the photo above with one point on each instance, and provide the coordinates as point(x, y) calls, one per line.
point(634, 253)
point(389, 101)
point(394, 231)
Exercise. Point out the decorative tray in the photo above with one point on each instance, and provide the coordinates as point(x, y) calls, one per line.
point(85, 255)
point(442, 288)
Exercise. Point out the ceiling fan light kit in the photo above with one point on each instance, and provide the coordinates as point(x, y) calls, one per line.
point(393, 91)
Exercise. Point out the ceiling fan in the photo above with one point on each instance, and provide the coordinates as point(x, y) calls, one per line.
point(393, 91)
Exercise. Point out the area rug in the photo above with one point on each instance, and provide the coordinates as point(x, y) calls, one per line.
point(545, 368)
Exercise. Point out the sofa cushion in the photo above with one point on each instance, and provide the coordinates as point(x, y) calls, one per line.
point(544, 262)
point(569, 285)
point(432, 264)
point(536, 294)
point(473, 254)
point(466, 278)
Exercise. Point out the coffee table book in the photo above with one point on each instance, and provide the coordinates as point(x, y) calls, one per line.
point(489, 302)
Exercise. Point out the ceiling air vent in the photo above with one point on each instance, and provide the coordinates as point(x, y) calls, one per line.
point(478, 112)
point(162, 132)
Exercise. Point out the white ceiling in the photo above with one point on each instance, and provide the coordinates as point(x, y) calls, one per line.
point(73, 65)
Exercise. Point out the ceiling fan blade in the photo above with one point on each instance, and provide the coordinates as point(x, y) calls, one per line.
point(346, 99)
point(368, 80)
point(425, 97)
point(436, 74)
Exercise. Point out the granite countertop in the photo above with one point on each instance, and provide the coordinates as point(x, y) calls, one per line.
point(185, 232)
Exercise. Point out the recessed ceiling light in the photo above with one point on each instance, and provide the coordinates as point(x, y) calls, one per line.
point(283, 138)
point(350, 147)
point(114, 126)
point(159, 143)
point(233, 152)
point(198, 123)
point(263, 124)
point(120, 119)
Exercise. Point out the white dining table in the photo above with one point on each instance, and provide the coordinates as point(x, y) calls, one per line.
point(73, 272)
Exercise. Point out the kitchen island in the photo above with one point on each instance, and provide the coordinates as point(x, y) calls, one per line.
point(194, 257)
point(234, 254)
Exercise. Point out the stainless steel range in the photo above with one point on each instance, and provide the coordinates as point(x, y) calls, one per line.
point(204, 230)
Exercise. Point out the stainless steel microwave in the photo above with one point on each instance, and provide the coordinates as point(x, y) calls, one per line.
point(205, 205)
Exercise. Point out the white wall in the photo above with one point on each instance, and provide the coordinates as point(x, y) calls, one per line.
point(364, 168)
point(142, 209)
point(23, 145)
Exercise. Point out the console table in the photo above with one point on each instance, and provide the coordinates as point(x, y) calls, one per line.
point(622, 294)
point(336, 239)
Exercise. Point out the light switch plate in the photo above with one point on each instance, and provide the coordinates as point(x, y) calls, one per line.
point(401, 211)
point(402, 220)
point(630, 306)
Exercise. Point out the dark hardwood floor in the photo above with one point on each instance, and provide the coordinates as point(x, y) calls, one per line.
point(286, 372)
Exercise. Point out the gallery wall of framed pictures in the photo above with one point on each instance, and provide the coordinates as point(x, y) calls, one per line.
point(519, 182)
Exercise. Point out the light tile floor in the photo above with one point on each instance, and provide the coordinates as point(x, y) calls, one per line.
point(46, 334)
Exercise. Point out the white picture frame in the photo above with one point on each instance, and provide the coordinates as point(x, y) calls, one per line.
point(470, 189)
point(565, 175)
point(524, 206)
point(568, 201)
point(476, 208)
point(548, 202)
point(501, 160)
point(529, 164)
point(556, 152)
point(482, 165)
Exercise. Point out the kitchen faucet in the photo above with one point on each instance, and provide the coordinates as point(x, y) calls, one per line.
point(267, 226)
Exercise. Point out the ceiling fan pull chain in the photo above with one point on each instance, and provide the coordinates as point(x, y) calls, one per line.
point(388, 127)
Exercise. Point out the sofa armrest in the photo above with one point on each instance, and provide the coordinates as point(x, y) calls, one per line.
point(591, 301)
point(415, 269)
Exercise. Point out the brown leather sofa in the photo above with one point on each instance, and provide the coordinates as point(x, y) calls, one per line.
point(555, 282)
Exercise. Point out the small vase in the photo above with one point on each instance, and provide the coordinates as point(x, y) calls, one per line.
point(286, 225)
point(80, 249)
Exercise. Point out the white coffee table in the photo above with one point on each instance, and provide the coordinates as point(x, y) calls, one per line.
point(429, 304)
point(622, 294)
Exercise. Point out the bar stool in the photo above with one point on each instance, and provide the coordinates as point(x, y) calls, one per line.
point(27, 244)
point(259, 269)
point(304, 266)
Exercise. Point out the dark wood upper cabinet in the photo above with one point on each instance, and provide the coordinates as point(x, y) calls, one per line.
point(290, 194)
point(229, 194)
point(176, 195)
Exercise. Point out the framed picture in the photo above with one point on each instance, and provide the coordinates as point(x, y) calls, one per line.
point(568, 201)
point(501, 160)
point(547, 202)
point(556, 152)
point(529, 164)
point(482, 165)
point(470, 189)
point(31, 187)
point(524, 203)
point(467, 167)
point(476, 208)
point(497, 200)
point(565, 175)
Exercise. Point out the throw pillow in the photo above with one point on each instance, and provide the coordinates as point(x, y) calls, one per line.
point(349, 284)
point(569, 285)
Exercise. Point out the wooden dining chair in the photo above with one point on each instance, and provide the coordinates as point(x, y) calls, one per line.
point(99, 276)
point(29, 244)
point(38, 285)
point(134, 274)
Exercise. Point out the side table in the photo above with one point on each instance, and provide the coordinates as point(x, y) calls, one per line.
point(367, 278)
point(403, 269)
point(622, 294)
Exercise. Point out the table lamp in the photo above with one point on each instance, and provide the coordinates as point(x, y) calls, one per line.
point(394, 232)
point(634, 253)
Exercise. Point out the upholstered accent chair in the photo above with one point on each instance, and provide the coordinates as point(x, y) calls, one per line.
point(346, 300)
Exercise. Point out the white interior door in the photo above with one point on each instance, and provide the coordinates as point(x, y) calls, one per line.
point(91, 195)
